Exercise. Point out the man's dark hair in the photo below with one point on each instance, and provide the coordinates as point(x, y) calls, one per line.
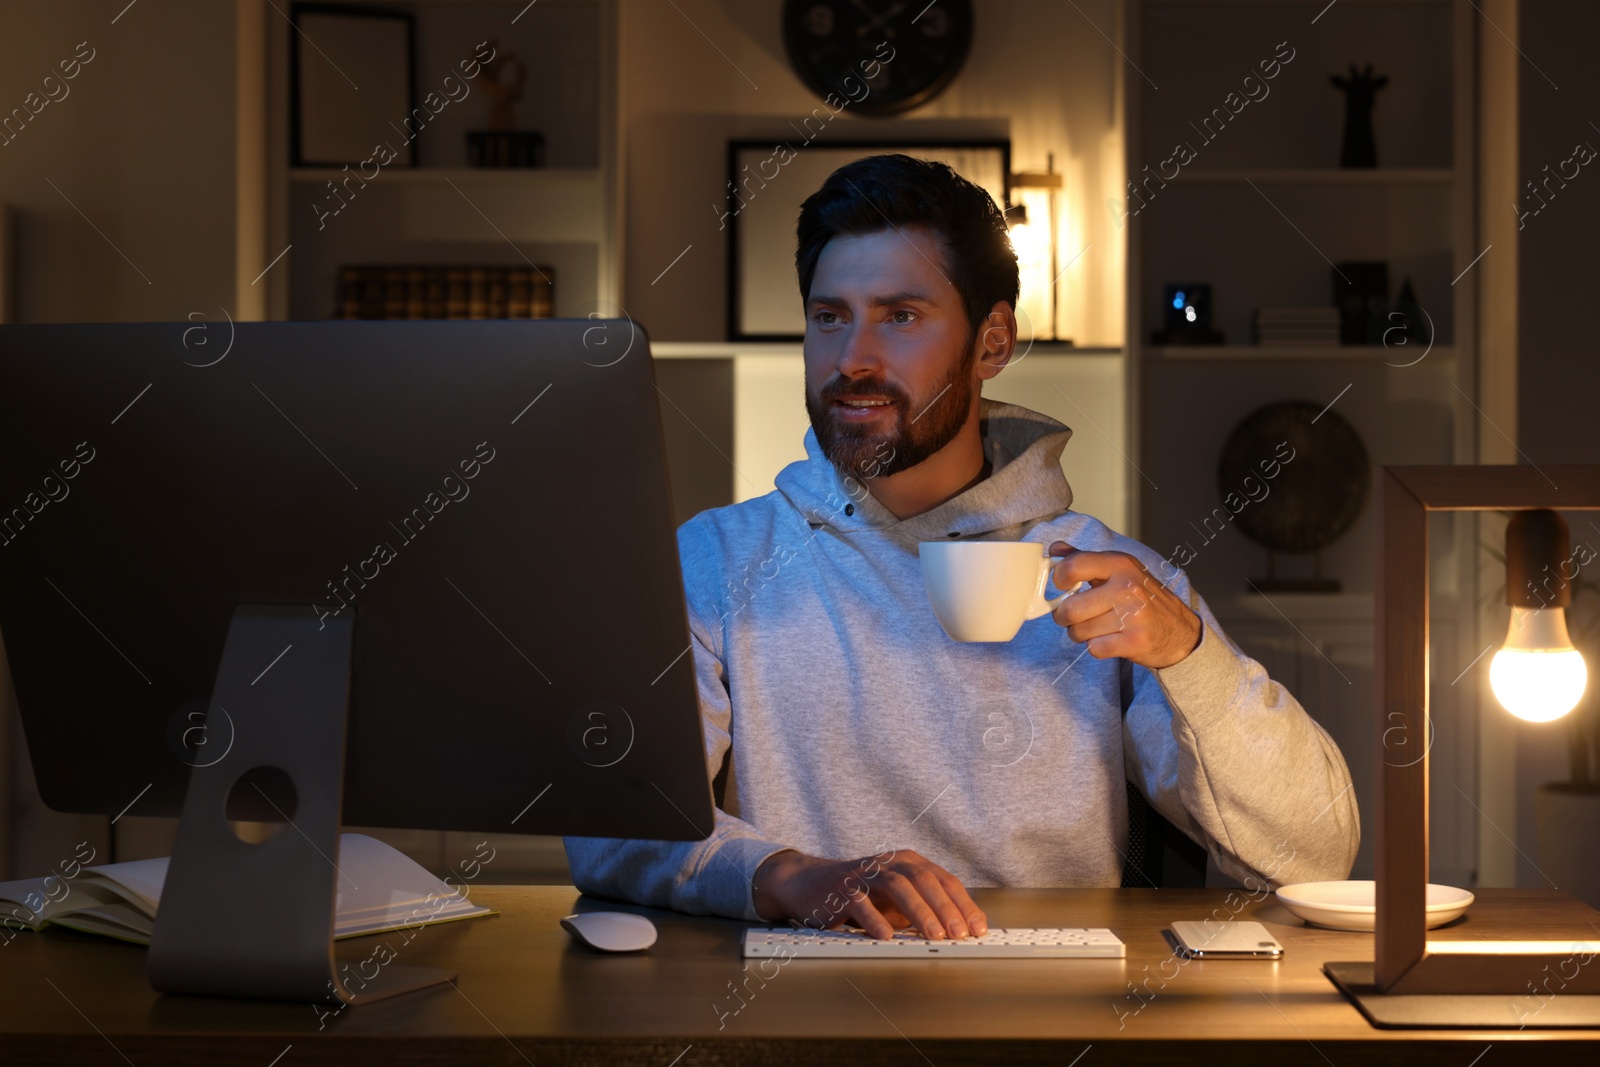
point(877, 192)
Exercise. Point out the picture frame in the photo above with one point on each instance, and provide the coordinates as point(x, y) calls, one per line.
point(760, 212)
point(351, 84)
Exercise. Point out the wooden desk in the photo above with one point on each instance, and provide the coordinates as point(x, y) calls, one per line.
point(526, 993)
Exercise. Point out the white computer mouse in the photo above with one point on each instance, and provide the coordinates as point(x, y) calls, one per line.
point(611, 931)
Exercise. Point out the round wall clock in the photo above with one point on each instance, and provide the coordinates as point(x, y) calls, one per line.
point(881, 57)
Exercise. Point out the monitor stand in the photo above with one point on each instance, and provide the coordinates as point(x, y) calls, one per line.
point(256, 920)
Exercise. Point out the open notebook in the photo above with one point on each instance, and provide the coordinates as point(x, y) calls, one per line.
point(379, 889)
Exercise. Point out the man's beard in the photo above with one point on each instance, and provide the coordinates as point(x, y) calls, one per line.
point(917, 432)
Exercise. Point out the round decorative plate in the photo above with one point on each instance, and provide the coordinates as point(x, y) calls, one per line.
point(1316, 493)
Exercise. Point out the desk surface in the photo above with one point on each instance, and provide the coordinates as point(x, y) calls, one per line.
point(527, 993)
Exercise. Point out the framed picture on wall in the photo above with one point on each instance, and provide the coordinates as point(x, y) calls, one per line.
point(351, 85)
point(768, 180)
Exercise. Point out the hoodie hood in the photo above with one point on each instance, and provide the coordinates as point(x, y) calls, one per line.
point(1025, 484)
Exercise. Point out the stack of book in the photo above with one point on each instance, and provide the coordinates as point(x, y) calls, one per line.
point(1297, 326)
point(394, 291)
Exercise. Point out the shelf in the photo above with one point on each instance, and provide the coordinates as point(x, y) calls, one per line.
point(514, 6)
point(1322, 176)
point(565, 216)
point(1056, 348)
point(1310, 4)
point(1325, 607)
point(528, 176)
point(721, 349)
point(1273, 606)
point(1396, 356)
point(729, 349)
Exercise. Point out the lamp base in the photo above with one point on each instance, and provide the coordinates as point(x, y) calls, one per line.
point(1461, 1011)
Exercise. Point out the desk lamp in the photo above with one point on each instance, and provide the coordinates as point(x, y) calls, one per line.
point(1413, 981)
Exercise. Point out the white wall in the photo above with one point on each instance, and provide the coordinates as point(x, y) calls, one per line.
point(141, 144)
point(1039, 73)
point(1083, 391)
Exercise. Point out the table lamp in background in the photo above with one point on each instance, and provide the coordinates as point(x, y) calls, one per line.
point(1035, 239)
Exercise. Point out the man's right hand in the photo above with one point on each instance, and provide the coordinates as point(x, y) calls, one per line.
point(880, 894)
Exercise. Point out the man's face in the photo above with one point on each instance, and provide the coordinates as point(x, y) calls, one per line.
point(885, 323)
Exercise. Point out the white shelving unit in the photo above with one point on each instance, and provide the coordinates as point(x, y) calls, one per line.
point(566, 216)
point(1261, 212)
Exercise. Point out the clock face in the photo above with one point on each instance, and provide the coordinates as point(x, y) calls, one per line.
point(879, 57)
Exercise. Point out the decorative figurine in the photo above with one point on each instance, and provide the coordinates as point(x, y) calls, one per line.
point(1360, 90)
point(1412, 323)
point(502, 144)
point(1361, 293)
point(503, 94)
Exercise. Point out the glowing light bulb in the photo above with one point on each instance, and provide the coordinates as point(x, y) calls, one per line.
point(1031, 243)
point(1537, 675)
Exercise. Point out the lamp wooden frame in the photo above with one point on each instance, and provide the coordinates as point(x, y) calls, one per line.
point(1406, 962)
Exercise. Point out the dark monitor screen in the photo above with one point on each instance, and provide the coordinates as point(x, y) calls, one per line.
point(487, 500)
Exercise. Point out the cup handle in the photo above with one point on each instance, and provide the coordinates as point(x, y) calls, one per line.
point(1041, 604)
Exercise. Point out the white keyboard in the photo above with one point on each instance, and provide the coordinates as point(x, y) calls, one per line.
point(1015, 943)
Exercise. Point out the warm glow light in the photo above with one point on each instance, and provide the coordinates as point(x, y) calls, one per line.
point(1537, 675)
point(1032, 244)
point(1030, 237)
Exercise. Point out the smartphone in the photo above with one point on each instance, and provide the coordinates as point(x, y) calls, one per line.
point(1237, 939)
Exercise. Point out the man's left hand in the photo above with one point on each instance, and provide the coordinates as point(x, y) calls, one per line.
point(1126, 612)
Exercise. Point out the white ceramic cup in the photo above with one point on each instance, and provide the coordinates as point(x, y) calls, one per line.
point(986, 590)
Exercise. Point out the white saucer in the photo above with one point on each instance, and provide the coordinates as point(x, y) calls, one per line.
point(1349, 905)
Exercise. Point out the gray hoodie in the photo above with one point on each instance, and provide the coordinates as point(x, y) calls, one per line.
point(858, 727)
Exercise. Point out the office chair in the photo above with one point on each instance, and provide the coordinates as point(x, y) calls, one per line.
point(1159, 854)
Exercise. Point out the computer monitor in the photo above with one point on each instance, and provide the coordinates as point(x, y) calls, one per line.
point(229, 553)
